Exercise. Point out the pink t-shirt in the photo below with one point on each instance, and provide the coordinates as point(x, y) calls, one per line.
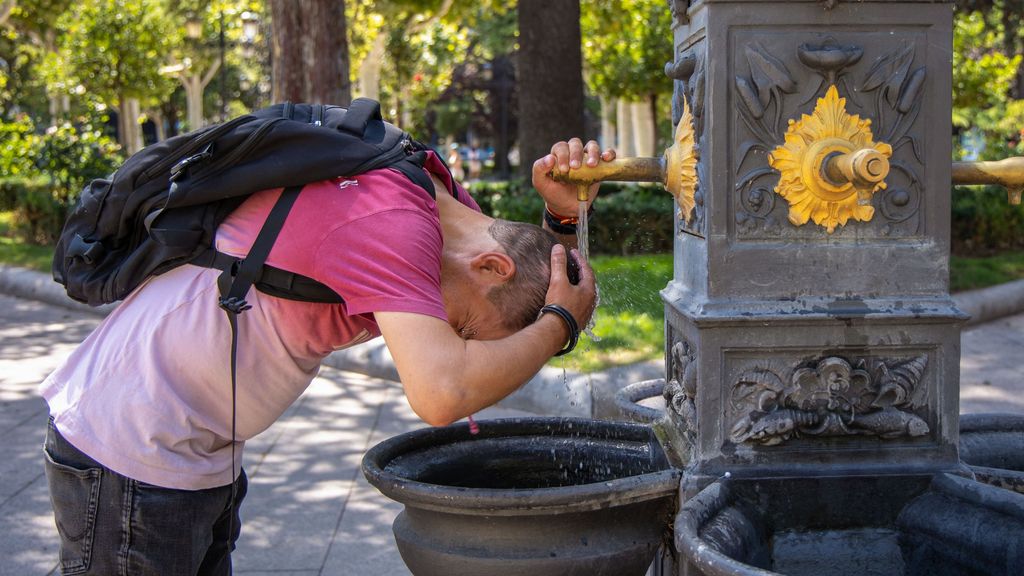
point(148, 393)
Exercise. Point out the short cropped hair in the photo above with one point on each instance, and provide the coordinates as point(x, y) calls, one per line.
point(529, 246)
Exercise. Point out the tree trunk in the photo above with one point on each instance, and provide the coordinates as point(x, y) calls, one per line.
point(130, 131)
point(643, 129)
point(195, 85)
point(310, 51)
point(193, 101)
point(369, 70)
point(624, 128)
point(550, 77)
point(157, 116)
point(608, 123)
point(5, 10)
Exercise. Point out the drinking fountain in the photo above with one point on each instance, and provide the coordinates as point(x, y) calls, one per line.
point(812, 348)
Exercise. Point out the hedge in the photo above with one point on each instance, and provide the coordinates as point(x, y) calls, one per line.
point(628, 219)
point(985, 223)
point(39, 212)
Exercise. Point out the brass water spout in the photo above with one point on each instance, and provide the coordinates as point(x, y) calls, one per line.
point(676, 169)
point(1008, 173)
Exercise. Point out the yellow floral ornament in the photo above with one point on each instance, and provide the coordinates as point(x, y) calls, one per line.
point(681, 165)
point(811, 141)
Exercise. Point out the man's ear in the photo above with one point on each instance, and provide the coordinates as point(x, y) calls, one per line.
point(493, 267)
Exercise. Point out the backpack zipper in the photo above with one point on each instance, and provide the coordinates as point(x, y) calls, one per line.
point(404, 148)
point(191, 147)
point(239, 150)
point(318, 115)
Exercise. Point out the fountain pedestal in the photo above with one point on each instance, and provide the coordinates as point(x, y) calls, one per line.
point(809, 323)
point(812, 350)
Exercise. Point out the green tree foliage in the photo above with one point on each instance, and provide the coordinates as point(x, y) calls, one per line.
point(18, 143)
point(437, 58)
point(982, 78)
point(26, 37)
point(621, 68)
point(114, 49)
point(43, 174)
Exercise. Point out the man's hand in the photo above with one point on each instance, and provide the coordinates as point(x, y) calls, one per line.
point(560, 197)
point(577, 298)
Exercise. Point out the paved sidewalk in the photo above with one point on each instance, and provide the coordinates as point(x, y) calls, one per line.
point(309, 510)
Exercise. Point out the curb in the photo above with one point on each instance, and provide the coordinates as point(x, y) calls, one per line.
point(987, 304)
point(552, 391)
point(32, 285)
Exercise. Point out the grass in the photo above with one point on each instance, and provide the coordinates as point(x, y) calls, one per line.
point(972, 273)
point(18, 253)
point(630, 319)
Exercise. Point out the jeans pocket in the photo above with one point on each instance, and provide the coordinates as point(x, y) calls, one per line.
point(74, 493)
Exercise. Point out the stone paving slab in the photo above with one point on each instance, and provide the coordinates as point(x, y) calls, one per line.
point(992, 367)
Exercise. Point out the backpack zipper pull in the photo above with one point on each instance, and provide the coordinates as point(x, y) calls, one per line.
point(178, 170)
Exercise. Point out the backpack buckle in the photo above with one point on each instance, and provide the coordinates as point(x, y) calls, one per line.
point(179, 169)
point(89, 251)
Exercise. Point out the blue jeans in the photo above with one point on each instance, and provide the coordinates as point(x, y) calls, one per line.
point(112, 525)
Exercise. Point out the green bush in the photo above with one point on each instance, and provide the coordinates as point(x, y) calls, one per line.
point(46, 172)
point(19, 145)
point(627, 219)
point(985, 223)
point(72, 155)
point(37, 215)
point(510, 200)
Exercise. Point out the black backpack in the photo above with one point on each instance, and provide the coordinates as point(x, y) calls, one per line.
point(162, 207)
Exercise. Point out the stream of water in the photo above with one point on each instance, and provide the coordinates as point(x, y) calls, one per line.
point(583, 245)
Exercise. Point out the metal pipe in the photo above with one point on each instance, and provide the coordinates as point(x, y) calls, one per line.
point(641, 169)
point(1008, 173)
point(865, 167)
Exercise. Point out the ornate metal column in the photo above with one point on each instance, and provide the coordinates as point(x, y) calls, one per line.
point(809, 324)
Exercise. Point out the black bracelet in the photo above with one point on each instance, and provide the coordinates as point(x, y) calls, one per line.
point(574, 329)
point(557, 227)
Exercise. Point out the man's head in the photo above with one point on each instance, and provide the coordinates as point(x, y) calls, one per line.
point(521, 297)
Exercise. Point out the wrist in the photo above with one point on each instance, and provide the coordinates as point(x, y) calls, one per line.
point(560, 223)
point(568, 321)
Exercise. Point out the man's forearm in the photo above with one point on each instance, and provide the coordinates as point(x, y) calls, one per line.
point(447, 378)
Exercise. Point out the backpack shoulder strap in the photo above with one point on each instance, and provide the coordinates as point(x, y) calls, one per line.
point(235, 282)
point(412, 167)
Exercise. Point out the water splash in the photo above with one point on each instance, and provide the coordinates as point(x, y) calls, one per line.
point(583, 246)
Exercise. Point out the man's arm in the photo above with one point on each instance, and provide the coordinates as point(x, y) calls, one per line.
point(447, 378)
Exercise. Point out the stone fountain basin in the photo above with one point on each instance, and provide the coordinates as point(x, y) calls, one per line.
point(527, 496)
point(992, 446)
point(901, 525)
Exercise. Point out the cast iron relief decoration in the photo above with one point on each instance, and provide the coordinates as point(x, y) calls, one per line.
point(896, 94)
point(678, 8)
point(687, 71)
point(829, 397)
point(681, 390)
point(828, 131)
point(760, 103)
